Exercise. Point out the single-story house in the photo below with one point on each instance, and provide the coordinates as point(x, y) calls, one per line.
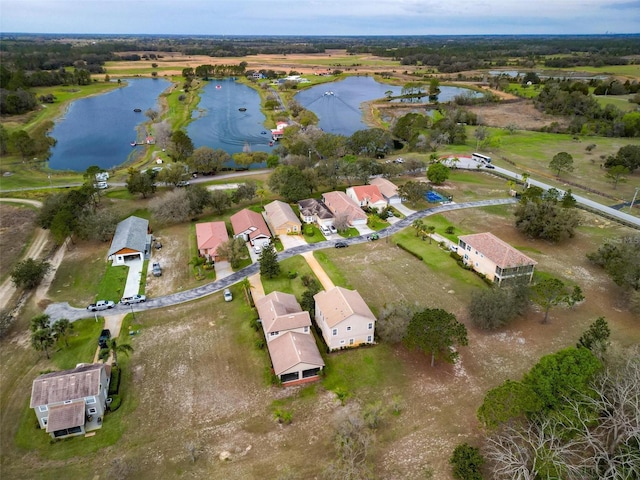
point(210, 236)
point(251, 227)
point(367, 196)
point(314, 211)
point(388, 190)
point(282, 219)
point(344, 318)
point(340, 204)
point(279, 313)
point(290, 341)
point(295, 358)
point(131, 241)
point(494, 258)
point(71, 402)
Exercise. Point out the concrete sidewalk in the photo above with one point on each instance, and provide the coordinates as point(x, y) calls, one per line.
point(318, 270)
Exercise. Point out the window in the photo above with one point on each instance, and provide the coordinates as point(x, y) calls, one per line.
point(334, 332)
point(469, 248)
point(306, 329)
point(370, 326)
point(273, 334)
point(466, 257)
point(92, 411)
point(43, 408)
point(348, 329)
point(342, 342)
point(90, 400)
point(351, 341)
point(67, 402)
point(369, 339)
point(45, 420)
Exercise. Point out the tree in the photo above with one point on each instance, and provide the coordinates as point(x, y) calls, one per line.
point(438, 173)
point(23, 143)
point(219, 201)
point(245, 191)
point(621, 260)
point(208, 161)
point(152, 114)
point(352, 441)
point(173, 174)
point(561, 162)
point(172, 207)
point(481, 134)
point(373, 142)
point(436, 332)
point(466, 462)
point(42, 338)
point(549, 293)
point(542, 216)
point(199, 198)
point(510, 401)
point(114, 348)
point(139, 182)
point(413, 191)
point(394, 319)
point(596, 337)
point(181, 146)
point(628, 156)
point(418, 225)
point(29, 273)
point(495, 307)
point(429, 229)
point(290, 182)
point(61, 330)
point(269, 266)
point(233, 250)
point(617, 174)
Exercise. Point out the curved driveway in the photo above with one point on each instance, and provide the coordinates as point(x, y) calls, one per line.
point(64, 310)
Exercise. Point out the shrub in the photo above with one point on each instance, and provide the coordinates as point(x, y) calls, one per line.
point(466, 462)
point(292, 275)
point(116, 400)
point(283, 416)
point(417, 255)
point(449, 230)
point(259, 343)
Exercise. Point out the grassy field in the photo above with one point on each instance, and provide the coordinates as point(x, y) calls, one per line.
point(284, 283)
point(619, 101)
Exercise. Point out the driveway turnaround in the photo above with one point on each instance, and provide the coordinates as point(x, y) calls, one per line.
point(64, 310)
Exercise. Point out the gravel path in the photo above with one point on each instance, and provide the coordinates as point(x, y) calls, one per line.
point(64, 310)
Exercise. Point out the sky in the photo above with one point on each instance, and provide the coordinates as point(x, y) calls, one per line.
point(320, 17)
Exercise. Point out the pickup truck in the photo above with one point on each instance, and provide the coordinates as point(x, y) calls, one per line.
point(101, 305)
point(157, 271)
point(134, 299)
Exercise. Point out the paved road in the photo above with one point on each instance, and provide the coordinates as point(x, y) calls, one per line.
point(64, 310)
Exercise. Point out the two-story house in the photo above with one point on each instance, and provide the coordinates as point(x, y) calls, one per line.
point(494, 258)
point(71, 402)
point(344, 318)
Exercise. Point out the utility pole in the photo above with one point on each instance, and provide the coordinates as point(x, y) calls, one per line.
point(634, 199)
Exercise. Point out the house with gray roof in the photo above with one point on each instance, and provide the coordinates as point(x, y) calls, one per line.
point(314, 211)
point(71, 402)
point(131, 241)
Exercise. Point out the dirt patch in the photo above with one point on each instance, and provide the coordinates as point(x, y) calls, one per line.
point(16, 226)
point(522, 114)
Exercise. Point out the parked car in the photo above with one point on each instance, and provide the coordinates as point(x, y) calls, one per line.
point(325, 230)
point(134, 299)
point(101, 305)
point(257, 249)
point(104, 337)
point(157, 271)
point(227, 295)
point(341, 245)
point(333, 229)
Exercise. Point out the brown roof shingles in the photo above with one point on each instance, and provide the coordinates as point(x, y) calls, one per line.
point(496, 250)
point(83, 381)
point(65, 416)
point(291, 349)
point(280, 312)
point(387, 188)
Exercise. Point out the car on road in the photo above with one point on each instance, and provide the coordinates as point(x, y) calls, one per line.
point(373, 236)
point(488, 165)
point(341, 245)
point(227, 295)
point(157, 271)
point(134, 299)
point(183, 183)
point(104, 337)
point(101, 185)
point(101, 305)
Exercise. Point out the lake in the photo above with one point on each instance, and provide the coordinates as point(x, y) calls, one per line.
point(99, 130)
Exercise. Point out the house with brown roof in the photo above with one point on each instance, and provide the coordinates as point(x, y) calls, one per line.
point(494, 258)
point(314, 211)
point(71, 402)
point(282, 219)
point(388, 190)
point(290, 341)
point(340, 204)
point(344, 318)
point(367, 196)
point(251, 227)
point(210, 236)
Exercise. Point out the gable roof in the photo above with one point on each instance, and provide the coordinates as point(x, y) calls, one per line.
point(338, 304)
point(340, 203)
point(211, 235)
point(130, 233)
point(387, 188)
point(80, 382)
point(280, 213)
point(248, 221)
point(312, 207)
point(496, 250)
point(280, 312)
point(291, 349)
point(65, 416)
point(367, 193)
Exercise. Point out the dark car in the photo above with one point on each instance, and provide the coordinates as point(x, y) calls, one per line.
point(341, 245)
point(105, 335)
point(488, 165)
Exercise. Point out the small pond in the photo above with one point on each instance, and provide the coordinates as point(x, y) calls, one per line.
point(99, 130)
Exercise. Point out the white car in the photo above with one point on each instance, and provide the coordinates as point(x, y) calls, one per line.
point(101, 185)
point(227, 295)
point(325, 230)
point(257, 249)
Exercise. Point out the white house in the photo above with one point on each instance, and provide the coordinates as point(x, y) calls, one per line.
point(367, 196)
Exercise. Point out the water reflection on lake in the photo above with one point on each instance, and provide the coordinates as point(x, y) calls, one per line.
point(219, 122)
point(99, 130)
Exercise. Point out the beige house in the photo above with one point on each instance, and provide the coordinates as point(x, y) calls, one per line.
point(290, 341)
point(71, 402)
point(282, 219)
point(340, 204)
point(251, 227)
point(497, 260)
point(367, 196)
point(210, 236)
point(388, 190)
point(344, 318)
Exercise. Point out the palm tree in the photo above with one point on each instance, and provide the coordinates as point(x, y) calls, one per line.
point(430, 229)
point(418, 225)
point(113, 347)
point(61, 329)
point(42, 339)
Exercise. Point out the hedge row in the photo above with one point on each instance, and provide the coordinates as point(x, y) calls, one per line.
point(417, 255)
